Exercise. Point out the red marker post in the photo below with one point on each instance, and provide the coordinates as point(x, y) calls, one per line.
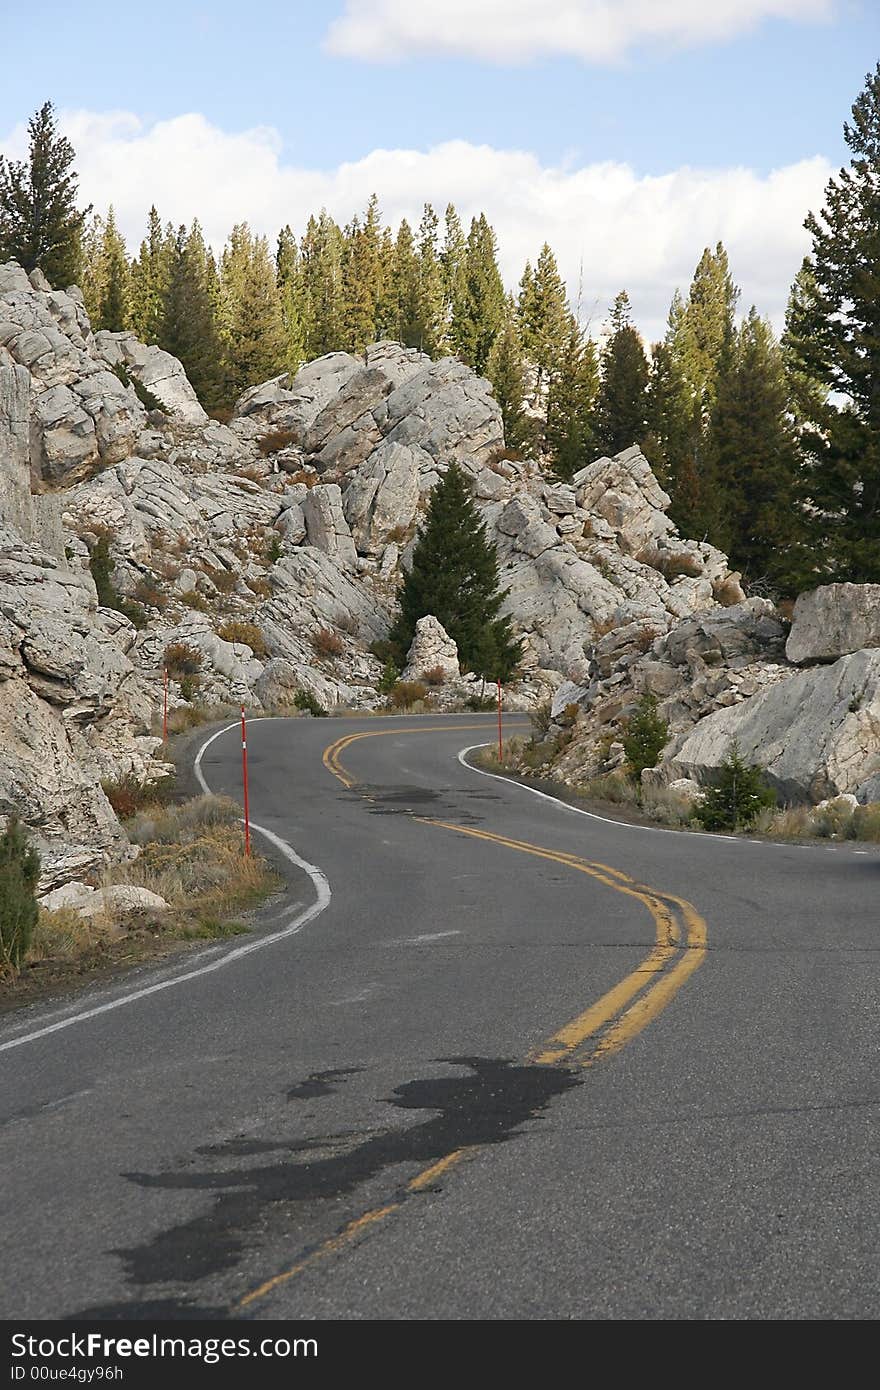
point(500, 744)
point(244, 774)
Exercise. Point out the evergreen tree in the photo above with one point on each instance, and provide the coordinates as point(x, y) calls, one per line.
point(92, 267)
point(544, 316)
point(254, 332)
point(149, 280)
point(322, 253)
point(507, 372)
point(621, 408)
point(668, 417)
point(406, 285)
point(739, 794)
point(429, 315)
point(287, 277)
point(358, 291)
point(39, 221)
point(836, 339)
point(569, 435)
point(480, 312)
point(454, 576)
point(754, 455)
point(114, 305)
point(187, 327)
point(452, 273)
point(19, 874)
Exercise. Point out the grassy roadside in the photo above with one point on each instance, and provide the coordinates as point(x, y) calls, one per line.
point(189, 853)
point(618, 797)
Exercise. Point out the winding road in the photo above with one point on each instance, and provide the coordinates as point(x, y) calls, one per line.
point(487, 1057)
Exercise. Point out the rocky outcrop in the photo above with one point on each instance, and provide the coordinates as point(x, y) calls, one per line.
point(432, 650)
point(82, 415)
point(816, 735)
point(834, 620)
point(158, 371)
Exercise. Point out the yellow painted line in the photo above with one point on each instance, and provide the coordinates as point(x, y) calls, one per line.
point(330, 1247)
point(652, 986)
point(430, 1175)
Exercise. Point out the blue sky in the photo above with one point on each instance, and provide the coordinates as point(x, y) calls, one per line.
point(770, 98)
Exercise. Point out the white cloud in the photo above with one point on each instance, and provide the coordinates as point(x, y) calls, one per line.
point(516, 31)
point(644, 233)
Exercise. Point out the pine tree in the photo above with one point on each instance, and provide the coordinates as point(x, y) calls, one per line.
point(254, 332)
point(544, 316)
point(406, 285)
point(507, 372)
point(454, 576)
point(19, 874)
point(452, 273)
point(39, 221)
point(322, 252)
point(668, 417)
point(569, 435)
point(429, 314)
point(621, 408)
point(187, 326)
point(149, 280)
point(114, 308)
point(358, 293)
point(480, 312)
point(287, 278)
point(837, 342)
point(754, 455)
point(739, 794)
point(92, 266)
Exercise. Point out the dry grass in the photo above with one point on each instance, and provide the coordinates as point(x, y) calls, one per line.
point(193, 856)
point(128, 795)
point(435, 675)
point(247, 633)
point(224, 581)
point(405, 694)
point(273, 441)
point(64, 935)
point(837, 821)
point(182, 660)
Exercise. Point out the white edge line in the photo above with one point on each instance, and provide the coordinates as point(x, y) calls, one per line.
point(622, 824)
point(302, 919)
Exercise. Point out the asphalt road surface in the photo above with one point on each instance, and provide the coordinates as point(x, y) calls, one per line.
point(490, 1059)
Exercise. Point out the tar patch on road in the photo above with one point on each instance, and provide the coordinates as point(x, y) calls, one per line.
point(419, 801)
point(488, 1105)
point(320, 1083)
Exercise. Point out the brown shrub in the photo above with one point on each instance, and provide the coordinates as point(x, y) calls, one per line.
point(671, 563)
point(436, 675)
point(193, 599)
point(147, 591)
point(248, 633)
point(603, 627)
point(646, 638)
point(222, 414)
point(180, 659)
point(128, 795)
point(273, 441)
point(326, 642)
point(406, 693)
point(261, 587)
point(398, 534)
point(252, 472)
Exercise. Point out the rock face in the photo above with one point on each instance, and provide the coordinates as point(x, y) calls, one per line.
point(432, 650)
point(834, 620)
point(82, 414)
point(816, 735)
point(161, 373)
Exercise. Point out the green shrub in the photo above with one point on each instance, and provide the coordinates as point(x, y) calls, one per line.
point(385, 651)
point(480, 703)
point(645, 736)
point(306, 701)
point(101, 567)
point(143, 393)
point(389, 678)
point(740, 793)
point(19, 872)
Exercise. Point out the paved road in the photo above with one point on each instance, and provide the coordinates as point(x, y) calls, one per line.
point(500, 1075)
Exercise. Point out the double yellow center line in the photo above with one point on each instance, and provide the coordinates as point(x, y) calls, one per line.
point(603, 1028)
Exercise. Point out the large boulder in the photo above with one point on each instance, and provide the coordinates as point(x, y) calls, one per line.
point(432, 649)
point(832, 621)
point(293, 402)
point(816, 734)
point(326, 526)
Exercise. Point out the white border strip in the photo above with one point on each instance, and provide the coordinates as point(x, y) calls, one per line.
point(627, 825)
point(296, 924)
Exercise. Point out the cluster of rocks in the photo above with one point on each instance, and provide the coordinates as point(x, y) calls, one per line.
point(802, 701)
point(269, 550)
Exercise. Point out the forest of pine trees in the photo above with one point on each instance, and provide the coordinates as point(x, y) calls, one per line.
point(769, 449)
